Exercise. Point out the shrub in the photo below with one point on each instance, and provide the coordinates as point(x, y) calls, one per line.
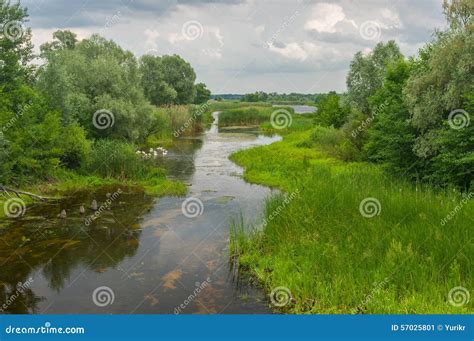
point(75, 148)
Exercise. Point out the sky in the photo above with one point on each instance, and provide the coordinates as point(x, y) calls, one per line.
point(242, 46)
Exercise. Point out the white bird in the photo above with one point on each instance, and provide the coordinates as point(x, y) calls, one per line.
point(62, 215)
point(82, 210)
point(94, 205)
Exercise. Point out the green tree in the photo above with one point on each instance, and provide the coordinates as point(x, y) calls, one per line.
point(97, 76)
point(15, 46)
point(167, 80)
point(331, 112)
point(391, 136)
point(203, 94)
point(156, 90)
point(367, 72)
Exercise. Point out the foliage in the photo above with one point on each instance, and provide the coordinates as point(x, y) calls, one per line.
point(331, 112)
point(92, 75)
point(203, 94)
point(367, 72)
point(331, 265)
point(15, 46)
point(168, 80)
point(391, 136)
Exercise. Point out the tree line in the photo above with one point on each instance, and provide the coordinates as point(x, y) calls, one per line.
point(412, 115)
point(52, 115)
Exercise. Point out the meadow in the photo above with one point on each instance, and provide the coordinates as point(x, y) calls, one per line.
point(335, 256)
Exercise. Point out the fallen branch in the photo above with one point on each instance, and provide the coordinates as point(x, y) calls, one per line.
point(17, 192)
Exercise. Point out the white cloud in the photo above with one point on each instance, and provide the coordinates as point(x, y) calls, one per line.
point(324, 18)
point(290, 51)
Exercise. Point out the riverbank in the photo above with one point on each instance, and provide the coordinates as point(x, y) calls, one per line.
point(66, 182)
point(345, 238)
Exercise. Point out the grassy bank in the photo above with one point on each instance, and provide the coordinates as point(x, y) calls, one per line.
point(333, 259)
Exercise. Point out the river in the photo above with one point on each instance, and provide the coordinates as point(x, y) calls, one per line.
point(142, 255)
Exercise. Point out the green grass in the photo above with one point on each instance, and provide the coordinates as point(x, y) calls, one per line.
point(333, 259)
point(250, 115)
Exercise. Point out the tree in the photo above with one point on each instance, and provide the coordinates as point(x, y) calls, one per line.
point(167, 80)
point(62, 40)
point(438, 92)
point(15, 46)
point(391, 136)
point(367, 72)
point(97, 79)
point(179, 75)
point(203, 94)
point(330, 112)
point(156, 90)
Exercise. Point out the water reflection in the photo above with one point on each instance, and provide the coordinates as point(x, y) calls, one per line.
point(150, 255)
point(43, 243)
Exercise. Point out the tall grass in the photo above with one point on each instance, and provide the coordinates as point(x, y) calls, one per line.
point(335, 260)
point(249, 115)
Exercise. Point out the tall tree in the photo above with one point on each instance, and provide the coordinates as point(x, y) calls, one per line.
point(15, 45)
point(367, 72)
point(203, 94)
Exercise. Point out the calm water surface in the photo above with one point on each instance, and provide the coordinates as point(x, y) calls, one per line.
point(299, 109)
point(153, 258)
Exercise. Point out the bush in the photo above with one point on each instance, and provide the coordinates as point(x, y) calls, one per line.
point(334, 142)
point(75, 148)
